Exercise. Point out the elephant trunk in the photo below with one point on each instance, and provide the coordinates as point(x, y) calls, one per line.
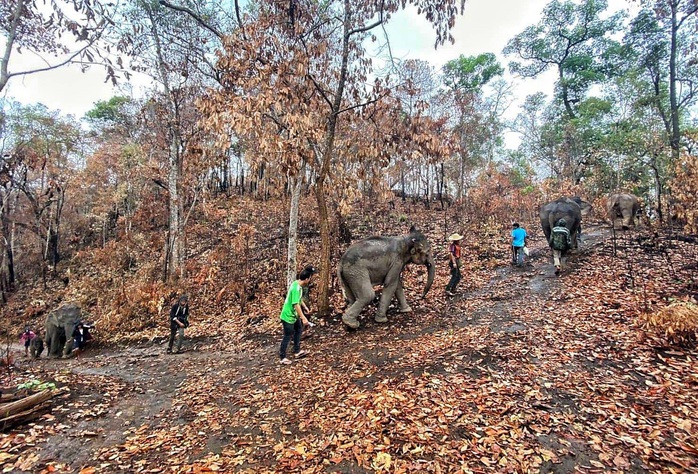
point(431, 269)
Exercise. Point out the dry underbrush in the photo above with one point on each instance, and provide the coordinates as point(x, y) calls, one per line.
point(676, 323)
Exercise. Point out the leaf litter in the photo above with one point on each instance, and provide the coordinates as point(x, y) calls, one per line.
point(522, 372)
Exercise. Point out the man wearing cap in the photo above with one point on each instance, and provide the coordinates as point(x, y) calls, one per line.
point(454, 252)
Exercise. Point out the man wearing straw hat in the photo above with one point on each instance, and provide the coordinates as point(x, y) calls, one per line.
point(454, 252)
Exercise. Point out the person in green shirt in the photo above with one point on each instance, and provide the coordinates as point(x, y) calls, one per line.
point(292, 318)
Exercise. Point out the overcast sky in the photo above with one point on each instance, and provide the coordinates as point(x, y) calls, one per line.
point(486, 26)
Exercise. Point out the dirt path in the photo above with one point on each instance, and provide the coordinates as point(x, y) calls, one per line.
point(505, 332)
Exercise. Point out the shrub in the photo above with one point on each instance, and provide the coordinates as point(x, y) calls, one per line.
point(677, 323)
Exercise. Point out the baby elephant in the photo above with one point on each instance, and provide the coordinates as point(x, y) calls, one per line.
point(36, 347)
point(623, 207)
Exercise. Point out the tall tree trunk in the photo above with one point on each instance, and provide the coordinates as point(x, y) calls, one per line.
point(673, 100)
point(324, 284)
point(296, 183)
point(174, 230)
point(326, 160)
point(173, 255)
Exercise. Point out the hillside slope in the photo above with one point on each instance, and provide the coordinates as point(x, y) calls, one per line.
point(524, 371)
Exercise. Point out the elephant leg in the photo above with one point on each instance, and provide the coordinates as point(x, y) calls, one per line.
point(364, 294)
point(402, 302)
point(386, 298)
point(54, 342)
point(68, 348)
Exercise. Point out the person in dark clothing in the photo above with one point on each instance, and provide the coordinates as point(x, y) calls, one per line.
point(81, 335)
point(179, 320)
point(454, 262)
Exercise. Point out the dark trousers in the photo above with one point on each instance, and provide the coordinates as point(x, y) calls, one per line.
point(291, 331)
point(455, 278)
point(518, 255)
point(176, 331)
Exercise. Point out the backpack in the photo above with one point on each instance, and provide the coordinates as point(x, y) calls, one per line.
point(560, 239)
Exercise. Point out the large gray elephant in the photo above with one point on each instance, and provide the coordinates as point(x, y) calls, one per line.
point(623, 206)
point(571, 209)
point(60, 324)
point(379, 261)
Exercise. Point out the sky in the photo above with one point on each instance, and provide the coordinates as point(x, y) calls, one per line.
point(485, 27)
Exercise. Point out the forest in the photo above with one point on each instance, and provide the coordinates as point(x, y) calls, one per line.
point(273, 135)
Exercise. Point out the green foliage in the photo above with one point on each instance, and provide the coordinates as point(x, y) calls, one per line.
point(110, 112)
point(575, 39)
point(36, 385)
point(470, 73)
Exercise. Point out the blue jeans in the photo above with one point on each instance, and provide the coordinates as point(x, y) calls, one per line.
point(291, 330)
point(518, 255)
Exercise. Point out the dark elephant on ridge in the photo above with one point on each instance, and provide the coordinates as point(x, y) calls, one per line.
point(569, 208)
point(623, 206)
point(60, 324)
point(379, 261)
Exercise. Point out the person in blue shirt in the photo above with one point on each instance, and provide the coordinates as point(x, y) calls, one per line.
point(518, 242)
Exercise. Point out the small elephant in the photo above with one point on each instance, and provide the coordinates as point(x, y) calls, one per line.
point(623, 206)
point(36, 347)
point(60, 324)
point(570, 209)
point(379, 261)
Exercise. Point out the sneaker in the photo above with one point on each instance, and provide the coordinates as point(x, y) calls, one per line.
point(285, 361)
point(168, 351)
point(300, 354)
point(557, 270)
point(450, 293)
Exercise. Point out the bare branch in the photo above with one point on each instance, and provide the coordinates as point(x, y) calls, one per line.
point(194, 15)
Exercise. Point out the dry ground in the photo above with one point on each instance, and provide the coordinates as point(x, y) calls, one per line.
point(522, 372)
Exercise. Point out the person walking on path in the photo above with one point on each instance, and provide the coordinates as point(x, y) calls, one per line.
point(292, 318)
point(179, 320)
point(518, 242)
point(454, 256)
point(26, 339)
point(560, 242)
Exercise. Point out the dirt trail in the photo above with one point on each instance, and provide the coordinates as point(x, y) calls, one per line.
point(139, 383)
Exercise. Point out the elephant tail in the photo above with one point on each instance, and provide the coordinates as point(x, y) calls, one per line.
point(346, 291)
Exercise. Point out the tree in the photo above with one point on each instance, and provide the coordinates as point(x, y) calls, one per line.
point(415, 91)
point(55, 35)
point(666, 42)
point(42, 153)
point(172, 49)
point(476, 125)
point(575, 39)
point(295, 83)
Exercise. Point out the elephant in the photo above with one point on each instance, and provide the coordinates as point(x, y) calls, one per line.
point(60, 324)
point(571, 209)
point(36, 347)
point(379, 261)
point(624, 206)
